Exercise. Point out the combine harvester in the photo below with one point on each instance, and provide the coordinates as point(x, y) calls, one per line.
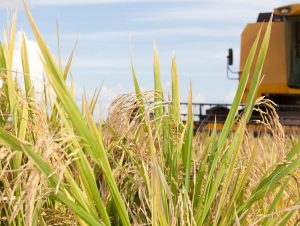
point(281, 81)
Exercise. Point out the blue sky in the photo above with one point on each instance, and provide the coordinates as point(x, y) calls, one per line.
point(198, 32)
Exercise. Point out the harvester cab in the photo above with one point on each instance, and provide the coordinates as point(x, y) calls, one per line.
point(281, 71)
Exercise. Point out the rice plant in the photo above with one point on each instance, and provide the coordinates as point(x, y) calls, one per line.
point(142, 165)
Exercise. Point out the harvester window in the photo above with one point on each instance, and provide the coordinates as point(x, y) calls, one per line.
point(297, 44)
point(293, 48)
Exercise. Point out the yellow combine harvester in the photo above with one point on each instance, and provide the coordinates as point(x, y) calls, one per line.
point(281, 71)
point(281, 82)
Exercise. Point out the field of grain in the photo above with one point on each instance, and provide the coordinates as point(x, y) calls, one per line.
point(141, 165)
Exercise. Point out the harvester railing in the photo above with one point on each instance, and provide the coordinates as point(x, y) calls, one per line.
point(204, 113)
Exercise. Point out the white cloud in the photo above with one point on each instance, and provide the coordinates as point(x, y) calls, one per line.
point(258, 4)
point(204, 32)
point(230, 96)
point(198, 98)
point(215, 11)
point(98, 61)
point(7, 3)
point(18, 3)
point(107, 95)
point(11, 4)
point(35, 64)
point(86, 2)
point(199, 13)
point(237, 3)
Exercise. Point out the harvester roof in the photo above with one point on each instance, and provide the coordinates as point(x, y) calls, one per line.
point(288, 10)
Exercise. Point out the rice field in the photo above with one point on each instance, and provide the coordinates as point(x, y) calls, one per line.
point(142, 165)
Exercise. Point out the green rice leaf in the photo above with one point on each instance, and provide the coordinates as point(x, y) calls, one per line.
point(158, 92)
point(239, 93)
point(9, 51)
point(2, 58)
point(175, 93)
point(29, 89)
point(89, 135)
point(258, 69)
point(269, 183)
point(188, 142)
